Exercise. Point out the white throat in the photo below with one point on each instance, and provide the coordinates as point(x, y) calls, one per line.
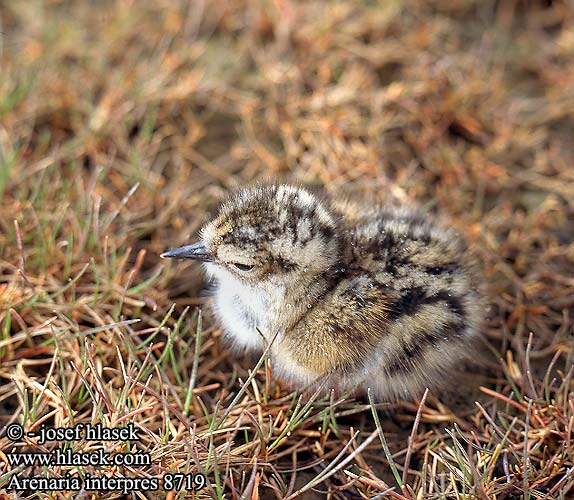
point(242, 309)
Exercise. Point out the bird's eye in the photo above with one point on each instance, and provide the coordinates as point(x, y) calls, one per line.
point(242, 267)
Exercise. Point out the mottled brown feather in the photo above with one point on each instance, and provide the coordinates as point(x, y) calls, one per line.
point(359, 294)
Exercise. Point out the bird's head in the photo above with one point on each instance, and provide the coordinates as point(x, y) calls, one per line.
point(267, 235)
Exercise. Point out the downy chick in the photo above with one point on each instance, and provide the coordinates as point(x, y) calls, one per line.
point(354, 295)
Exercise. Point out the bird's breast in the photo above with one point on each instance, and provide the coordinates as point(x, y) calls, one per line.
point(243, 312)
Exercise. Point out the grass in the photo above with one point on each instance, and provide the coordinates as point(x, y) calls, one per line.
point(124, 124)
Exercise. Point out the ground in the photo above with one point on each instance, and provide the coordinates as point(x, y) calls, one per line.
point(122, 126)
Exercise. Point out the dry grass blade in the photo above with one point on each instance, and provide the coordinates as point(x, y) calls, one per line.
point(334, 467)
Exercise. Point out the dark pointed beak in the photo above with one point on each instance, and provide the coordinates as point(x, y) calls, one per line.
point(196, 251)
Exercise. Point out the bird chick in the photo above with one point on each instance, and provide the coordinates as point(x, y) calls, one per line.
point(353, 295)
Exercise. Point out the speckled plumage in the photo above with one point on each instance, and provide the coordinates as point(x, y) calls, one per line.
point(360, 295)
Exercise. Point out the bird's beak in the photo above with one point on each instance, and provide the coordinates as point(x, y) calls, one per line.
point(196, 251)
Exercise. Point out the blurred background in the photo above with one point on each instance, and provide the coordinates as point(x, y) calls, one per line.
point(466, 105)
point(123, 124)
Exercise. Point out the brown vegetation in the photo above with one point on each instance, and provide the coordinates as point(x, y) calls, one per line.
point(123, 124)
